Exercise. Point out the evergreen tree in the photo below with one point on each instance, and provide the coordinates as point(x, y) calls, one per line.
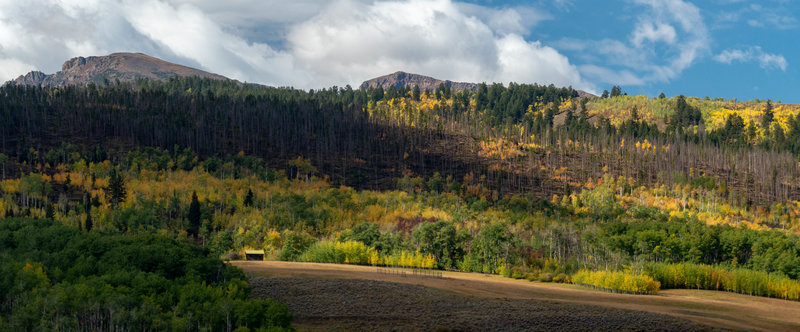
point(116, 188)
point(194, 215)
point(49, 213)
point(662, 96)
point(89, 223)
point(416, 92)
point(248, 199)
point(616, 91)
point(768, 116)
point(3, 159)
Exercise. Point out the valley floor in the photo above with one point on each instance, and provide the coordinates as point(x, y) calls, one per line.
point(347, 297)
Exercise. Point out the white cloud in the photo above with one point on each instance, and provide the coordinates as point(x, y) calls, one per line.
point(753, 53)
point(188, 33)
point(758, 16)
point(518, 20)
point(320, 43)
point(352, 41)
point(647, 31)
point(668, 37)
point(522, 61)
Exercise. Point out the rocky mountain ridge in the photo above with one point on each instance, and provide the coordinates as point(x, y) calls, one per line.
point(400, 79)
point(125, 67)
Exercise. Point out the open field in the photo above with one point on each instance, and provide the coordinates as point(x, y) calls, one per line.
point(346, 297)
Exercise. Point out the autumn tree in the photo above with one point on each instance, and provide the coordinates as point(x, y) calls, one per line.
point(302, 167)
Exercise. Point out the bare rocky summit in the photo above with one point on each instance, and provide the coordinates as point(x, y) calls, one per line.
point(401, 79)
point(125, 67)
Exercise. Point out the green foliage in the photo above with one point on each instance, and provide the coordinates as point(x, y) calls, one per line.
point(684, 115)
point(441, 240)
point(350, 252)
point(490, 250)
point(617, 281)
point(55, 277)
point(367, 233)
point(294, 245)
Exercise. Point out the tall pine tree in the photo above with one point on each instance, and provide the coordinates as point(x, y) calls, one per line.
point(116, 188)
point(248, 199)
point(194, 215)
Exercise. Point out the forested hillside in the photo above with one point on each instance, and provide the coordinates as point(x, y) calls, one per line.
point(524, 180)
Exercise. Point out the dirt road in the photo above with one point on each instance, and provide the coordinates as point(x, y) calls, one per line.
point(719, 310)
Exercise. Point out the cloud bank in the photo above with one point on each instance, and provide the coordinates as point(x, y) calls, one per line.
point(321, 44)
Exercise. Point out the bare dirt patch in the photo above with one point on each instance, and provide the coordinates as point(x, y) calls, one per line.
point(719, 310)
point(369, 305)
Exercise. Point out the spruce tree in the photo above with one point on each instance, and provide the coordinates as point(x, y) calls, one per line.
point(194, 215)
point(248, 199)
point(89, 223)
point(48, 211)
point(116, 188)
point(768, 117)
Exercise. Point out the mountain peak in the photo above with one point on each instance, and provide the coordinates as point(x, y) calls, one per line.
point(400, 79)
point(125, 67)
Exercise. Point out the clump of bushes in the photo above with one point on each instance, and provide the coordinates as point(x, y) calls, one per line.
point(355, 252)
point(537, 275)
point(348, 252)
point(617, 281)
point(561, 278)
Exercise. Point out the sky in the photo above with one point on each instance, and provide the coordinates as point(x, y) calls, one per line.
point(716, 48)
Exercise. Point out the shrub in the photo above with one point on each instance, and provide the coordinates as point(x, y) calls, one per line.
point(349, 252)
point(294, 245)
point(517, 273)
point(561, 278)
point(546, 277)
point(617, 281)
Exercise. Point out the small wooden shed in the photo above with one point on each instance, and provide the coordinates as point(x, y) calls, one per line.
point(254, 255)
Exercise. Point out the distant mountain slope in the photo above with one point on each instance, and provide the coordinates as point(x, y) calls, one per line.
point(118, 66)
point(400, 79)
